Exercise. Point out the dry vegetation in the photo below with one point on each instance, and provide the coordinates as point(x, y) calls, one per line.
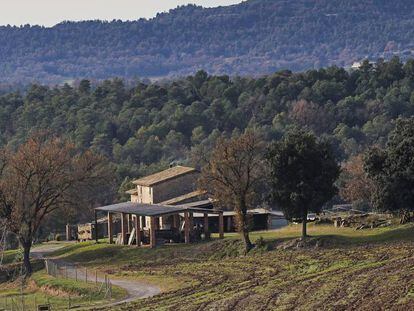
point(338, 269)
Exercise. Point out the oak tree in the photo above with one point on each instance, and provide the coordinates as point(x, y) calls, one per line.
point(233, 175)
point(42, 176)
point(303, 172)
point(392, 170)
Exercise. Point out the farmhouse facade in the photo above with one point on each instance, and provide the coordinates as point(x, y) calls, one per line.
point(164, 186)
point(167, 207)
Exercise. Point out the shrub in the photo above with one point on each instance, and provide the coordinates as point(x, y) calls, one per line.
point(59, 237)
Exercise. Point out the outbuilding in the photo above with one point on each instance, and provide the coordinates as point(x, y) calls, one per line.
point(178, 223)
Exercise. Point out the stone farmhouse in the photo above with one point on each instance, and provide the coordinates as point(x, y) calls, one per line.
point(167, 207)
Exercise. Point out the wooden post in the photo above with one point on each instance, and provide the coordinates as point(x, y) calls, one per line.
point(269, 221)
point(206, 233)
point(153, 240)
point(191, 223)
point(229, 219)
point(129, 223)
point(110, 226)
point(186, 227)
point(137, 231)
point(96, 226)
point(68, 233)
point(176, 221)
point(221, 225)
point(123, 229)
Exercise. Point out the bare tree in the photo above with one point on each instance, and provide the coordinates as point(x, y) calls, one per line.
point(42, 176)
point(232, 176)
point(356, 185)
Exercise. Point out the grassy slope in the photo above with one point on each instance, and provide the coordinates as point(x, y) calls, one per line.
point(372, 269)
point(43, 289)
point(11, 256)
point(59, 292)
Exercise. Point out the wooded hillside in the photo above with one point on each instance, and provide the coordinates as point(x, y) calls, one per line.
point(254, 37)
point(144, 128)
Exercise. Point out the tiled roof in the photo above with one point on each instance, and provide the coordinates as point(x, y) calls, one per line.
point(183, 197)
point(165, 175)
point(132, 191)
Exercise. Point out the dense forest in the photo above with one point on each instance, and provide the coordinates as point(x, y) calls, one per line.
point(144, 128)
point(254, 37)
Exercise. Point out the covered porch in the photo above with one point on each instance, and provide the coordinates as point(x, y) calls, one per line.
point(148, 223)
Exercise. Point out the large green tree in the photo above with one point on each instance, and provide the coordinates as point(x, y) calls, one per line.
point(392, 169)
point(303, 170)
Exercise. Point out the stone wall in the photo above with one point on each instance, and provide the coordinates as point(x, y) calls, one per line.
point(175, 187)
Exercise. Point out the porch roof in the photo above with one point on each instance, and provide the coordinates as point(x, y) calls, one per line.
point(142, 209)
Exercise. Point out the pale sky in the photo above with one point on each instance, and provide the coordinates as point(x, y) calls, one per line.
point(51, 12)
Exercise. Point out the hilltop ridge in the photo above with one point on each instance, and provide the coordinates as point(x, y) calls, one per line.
point(251, 38)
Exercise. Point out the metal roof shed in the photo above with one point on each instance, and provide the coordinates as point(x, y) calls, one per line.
point(153, 211)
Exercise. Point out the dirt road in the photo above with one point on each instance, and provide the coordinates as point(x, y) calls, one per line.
point(135, 289)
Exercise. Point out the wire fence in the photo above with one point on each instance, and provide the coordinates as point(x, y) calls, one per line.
point(99, 289)
point(69, 271)
point(18, 303)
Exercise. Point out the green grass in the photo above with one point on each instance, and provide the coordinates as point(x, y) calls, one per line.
point(92, 254)
point(72, 287)
point(348, 235)
point(11, 256)
point(352, 269)
point(42, 288)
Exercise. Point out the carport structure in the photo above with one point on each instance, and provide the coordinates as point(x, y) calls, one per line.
point(135, 215)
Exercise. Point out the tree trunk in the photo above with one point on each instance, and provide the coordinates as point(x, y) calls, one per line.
point(304, 222)
point(405, 217)
point(26, 258)
point(243, 226)
point(246, 240)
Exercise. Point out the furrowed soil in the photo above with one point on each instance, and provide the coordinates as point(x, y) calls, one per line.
point(335, 270)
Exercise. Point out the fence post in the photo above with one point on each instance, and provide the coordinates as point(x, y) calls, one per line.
point(96, 276)
point(22, 299)
point(86, 275)
point(110, 289)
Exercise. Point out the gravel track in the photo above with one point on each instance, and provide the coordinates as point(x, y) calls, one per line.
point(135, 289)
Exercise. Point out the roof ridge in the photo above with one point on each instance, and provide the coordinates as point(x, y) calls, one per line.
point(164, 175)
